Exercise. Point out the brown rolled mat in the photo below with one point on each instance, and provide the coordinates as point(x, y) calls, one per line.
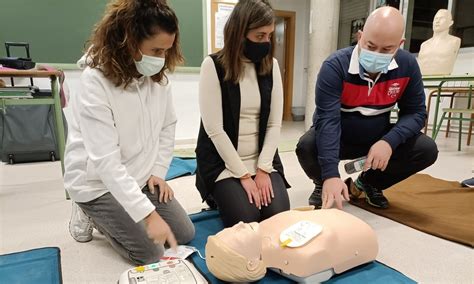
point(434, 206)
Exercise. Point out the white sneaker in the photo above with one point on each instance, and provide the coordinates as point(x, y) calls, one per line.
point(80, 225)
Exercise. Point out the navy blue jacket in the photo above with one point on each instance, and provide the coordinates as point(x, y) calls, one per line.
point(355, 109)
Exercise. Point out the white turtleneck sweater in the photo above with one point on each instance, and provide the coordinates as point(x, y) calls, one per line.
point(117, 139)
point(246, 158)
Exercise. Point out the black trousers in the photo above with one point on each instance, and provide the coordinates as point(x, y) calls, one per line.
point(416, 154)
point(234, 206)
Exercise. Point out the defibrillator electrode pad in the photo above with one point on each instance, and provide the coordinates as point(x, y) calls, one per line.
point(299, 234)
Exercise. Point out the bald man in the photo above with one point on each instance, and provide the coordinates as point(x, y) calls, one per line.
point(356, 89)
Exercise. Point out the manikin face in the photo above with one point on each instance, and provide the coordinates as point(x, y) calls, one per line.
point(244, 239)
point(442, 21)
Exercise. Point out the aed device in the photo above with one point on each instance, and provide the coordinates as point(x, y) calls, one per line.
point(176, 271)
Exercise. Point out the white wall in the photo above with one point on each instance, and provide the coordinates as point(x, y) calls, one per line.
point(300, 75)
point(185, 96)
point(465, 61)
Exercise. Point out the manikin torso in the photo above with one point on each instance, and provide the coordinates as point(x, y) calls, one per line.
point(438, 54)
point(344, 242)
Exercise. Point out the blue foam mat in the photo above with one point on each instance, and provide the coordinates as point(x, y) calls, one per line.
point(209, 223)
point(181, 167)
point(42, 266)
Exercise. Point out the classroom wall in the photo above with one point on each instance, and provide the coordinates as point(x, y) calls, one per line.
point(300, 75)
point(185, 96)
point(465, 61)
point(185, 85)
point(301, 8)
point(60, 41)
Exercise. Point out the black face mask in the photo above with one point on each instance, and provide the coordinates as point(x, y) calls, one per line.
point(256, 51)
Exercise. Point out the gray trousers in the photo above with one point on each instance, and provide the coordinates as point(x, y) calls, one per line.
point(130, 239)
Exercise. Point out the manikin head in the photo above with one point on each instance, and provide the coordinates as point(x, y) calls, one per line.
point(442, 21)
point(234, 254)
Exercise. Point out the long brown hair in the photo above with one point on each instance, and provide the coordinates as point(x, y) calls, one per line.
point(247, 15)
point(116, 38)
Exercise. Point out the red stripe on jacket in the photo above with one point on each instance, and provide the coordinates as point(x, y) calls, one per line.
point(383, 93)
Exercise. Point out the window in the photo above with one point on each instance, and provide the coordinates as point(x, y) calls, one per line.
point(463, 26)
point(420, 21)
point(352, 15)
point(391, 3)
point(420, 28)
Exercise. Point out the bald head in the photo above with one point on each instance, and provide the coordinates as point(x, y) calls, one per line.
point(383, 30)
point(386, 20)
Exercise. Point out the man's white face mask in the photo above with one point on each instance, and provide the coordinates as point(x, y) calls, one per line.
point(375, 62)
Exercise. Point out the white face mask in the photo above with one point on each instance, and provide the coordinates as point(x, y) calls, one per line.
point(149, 65)
point(375, 62)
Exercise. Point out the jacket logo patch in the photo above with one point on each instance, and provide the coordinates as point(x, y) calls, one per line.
point(394, 90)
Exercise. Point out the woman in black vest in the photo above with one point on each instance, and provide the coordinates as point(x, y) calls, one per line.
point(241, 103)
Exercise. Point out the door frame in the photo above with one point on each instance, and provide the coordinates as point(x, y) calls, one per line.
point(290, 31)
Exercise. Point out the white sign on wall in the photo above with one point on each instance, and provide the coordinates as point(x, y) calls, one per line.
point(221, 16)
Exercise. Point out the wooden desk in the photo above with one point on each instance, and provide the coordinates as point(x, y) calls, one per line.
point(439, 84)
point(53, 100)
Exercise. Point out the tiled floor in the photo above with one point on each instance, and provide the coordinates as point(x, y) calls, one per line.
point(34, 213)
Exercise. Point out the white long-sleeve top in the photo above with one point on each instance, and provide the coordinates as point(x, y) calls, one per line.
point(246, 158)
point(117, 139)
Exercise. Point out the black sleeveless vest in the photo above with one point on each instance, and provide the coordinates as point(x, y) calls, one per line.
point(209, 162)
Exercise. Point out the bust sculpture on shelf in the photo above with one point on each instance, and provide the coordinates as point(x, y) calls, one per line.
point(438, 54)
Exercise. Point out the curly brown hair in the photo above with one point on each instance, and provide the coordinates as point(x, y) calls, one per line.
point(247, 15)
point(116, 38)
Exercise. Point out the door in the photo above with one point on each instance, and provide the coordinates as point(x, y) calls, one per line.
point(284, 46)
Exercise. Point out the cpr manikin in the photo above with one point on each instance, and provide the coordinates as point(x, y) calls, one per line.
point(243, 252)
point(438, 54)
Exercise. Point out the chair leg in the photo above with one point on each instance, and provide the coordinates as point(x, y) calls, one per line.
point(469, 132)
point(460, 132)
point(438, 127)
point(451, 103)
point(428, 106)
